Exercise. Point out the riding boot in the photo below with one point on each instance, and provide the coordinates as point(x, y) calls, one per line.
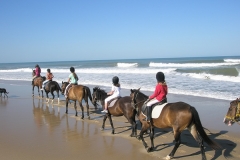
point(32, 82)
point(149, 113)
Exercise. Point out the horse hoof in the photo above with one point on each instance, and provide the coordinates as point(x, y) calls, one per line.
point(167, 157)
point(149, 149)
point(102, 129)
point(112, 132)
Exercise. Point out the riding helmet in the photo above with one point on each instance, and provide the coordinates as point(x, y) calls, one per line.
point(72, 69)
point(115, 80)
point(37, 66)
point(48, 70)
point(160, 77)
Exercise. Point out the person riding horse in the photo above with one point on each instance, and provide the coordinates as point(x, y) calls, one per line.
point(72, 80)
point(114, 93)
point(49, 77)
point(37, 72)
point(159, 95)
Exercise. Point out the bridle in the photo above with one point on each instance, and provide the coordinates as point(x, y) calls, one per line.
point(134, 103)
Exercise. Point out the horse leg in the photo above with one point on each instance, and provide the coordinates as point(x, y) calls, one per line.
point(75, 107)
point(143, 130)
point(42, 93)
point(134, 126)
point(38, 92)
point(58, 95)
point(52, 96)
point(47, 97)
point(193, 131)
point(110, 120)
point(33, 90)
point(104, 120)
point(151, 138)
point(87, 105)
point(177, 138)
point(66, 106)
point(81, 106)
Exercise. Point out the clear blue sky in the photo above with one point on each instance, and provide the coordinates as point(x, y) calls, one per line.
point(48, 30)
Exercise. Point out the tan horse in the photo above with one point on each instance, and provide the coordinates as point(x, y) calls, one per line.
point(178, 116)
point(78, 93)
point(38, 81)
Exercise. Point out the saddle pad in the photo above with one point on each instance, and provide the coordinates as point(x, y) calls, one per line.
point(112, 103)
point(157, 110)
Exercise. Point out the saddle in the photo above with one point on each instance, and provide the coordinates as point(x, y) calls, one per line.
point(112, 101)
point(70, 86)
point(159, 106)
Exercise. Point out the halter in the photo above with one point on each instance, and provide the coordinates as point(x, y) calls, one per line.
point(237, 116)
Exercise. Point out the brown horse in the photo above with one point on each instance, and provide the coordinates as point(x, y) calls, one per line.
point(122, 107)
point(77, 93)
point(38, 81)
point(233, 114)
point(178, 116)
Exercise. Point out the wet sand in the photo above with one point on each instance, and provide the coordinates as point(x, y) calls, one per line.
point(33, 129)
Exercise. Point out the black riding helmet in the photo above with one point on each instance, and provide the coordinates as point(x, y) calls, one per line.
point(160, 77)
point(72, 69)
point(48, 70)
point(115, 80)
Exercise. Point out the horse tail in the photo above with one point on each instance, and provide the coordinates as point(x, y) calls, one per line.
point(88, 93)
point(201, 131)
point(59, 87)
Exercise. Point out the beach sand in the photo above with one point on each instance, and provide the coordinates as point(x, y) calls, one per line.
point(33, 129)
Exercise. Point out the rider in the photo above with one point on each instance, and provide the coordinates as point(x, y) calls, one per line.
point(115, 92)
point(49, 77)
point(37, 72)
point(159, 95)
point(72, 80)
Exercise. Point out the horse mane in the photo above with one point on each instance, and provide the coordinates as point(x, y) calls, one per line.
point(138, 90)
point(101, 94)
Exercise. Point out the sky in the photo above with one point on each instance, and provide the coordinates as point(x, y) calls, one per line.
point(69, 30)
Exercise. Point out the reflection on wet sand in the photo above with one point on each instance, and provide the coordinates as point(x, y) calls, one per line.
point(46, 116)
point(3, 101)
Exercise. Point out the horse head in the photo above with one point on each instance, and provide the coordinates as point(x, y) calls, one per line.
point(233, 114)
point(63, 87)
point(137, 98)
point(98, 94)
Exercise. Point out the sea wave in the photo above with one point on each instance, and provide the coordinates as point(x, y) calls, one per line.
point(232, 60)
point(191, 65)
point(127, 64)
point(207, 76)
point(95, 70)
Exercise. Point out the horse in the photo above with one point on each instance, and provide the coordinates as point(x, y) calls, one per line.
point(38, 81)
point(52, 86)
point(77, 93)
point(178, 116)
point(122, 107)
point(233, 114)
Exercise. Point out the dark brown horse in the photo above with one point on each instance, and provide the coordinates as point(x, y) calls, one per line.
point(52, 86)
point(38, 81)
point(233, 114)
point(178, 116)
point(77, 93)
point(122, 107)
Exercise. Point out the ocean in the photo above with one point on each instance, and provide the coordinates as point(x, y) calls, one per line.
point(213, 77)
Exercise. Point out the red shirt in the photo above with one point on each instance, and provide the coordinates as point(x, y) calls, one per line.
point(160, 92)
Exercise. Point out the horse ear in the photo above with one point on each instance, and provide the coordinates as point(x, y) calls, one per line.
point(131, 90)
point(139, 89)
point(62, 82)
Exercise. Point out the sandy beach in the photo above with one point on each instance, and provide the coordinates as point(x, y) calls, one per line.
point(34, 129)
